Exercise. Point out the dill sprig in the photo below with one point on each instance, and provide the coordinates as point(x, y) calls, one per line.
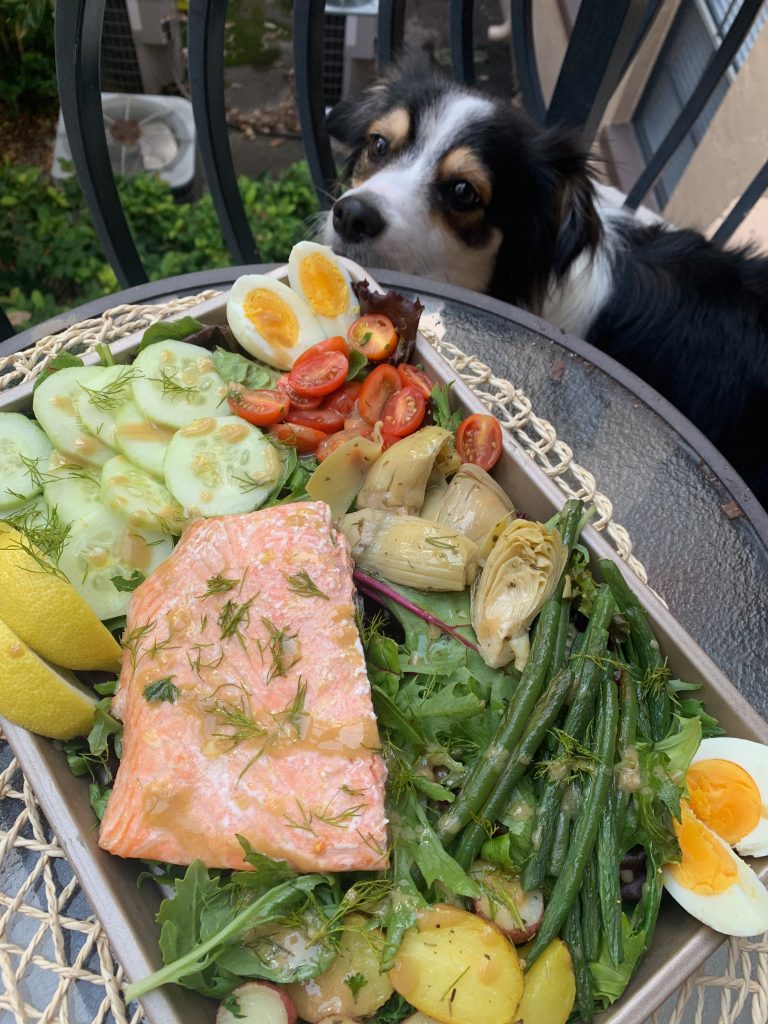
point(233, 617)
point(113, 394)
point(282, 649)
point(197, 664)
point(339, 819)
point(132, 639)
point(293, 714)
point(655, 682)
point(303, 584)
point(42, 535)
point(573, 759)
point(218, 585)
point(171, 387)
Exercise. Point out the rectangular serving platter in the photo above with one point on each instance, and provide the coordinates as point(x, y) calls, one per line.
point(127, 912)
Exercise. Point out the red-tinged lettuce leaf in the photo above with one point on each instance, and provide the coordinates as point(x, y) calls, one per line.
point(404, 314)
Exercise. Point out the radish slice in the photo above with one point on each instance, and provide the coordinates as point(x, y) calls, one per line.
point(257, 1002)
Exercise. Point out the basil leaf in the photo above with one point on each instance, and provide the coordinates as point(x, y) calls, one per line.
point(174, 330)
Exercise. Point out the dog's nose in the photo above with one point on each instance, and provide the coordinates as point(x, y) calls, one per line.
point(355, 219)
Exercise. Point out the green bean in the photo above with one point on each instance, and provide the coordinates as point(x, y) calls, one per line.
point(590, 909)
point(487, 769)
point(561, 639)
point(584, 831)
point(628, 711)
point(559, 850)
point(544, 830)
point(541, 721)
point(572, 934)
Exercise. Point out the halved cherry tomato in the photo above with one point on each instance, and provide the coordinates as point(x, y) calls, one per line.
point(376, 392)
point(404, 412)
point(303, 439)
point(334, 344)
point(335, 440)
point(259, 407)
point(478, 440)
point(343, 400)
point(374, 335)
point(297, 401)
point(387, 440)
point(321, 419)
point(412, 376)
point(355, 421)
point(320, 375)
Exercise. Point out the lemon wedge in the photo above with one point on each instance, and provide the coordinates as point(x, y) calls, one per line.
point(39, 696)
point(47, 613)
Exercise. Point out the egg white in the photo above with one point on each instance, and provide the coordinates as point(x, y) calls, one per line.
point(282, 357)
point(332, 325)
point(741, 910)
point(753, 758)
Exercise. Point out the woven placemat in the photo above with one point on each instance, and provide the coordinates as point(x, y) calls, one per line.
point(52, 948)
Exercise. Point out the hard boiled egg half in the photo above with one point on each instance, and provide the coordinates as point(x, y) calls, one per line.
point(727, 805)
point(317, 274)
point(271, 321)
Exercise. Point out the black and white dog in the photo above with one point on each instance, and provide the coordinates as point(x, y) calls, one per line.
point(455, 185)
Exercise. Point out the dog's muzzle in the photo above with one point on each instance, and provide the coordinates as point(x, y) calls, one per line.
point(356, 220)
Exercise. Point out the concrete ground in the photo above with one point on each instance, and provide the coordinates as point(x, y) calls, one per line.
point(264, 130)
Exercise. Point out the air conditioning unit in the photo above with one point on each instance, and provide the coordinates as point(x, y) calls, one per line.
point(349, 47)
point(155, 134)
point(141, 47)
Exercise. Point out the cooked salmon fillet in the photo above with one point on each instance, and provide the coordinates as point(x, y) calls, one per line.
point(246, 703)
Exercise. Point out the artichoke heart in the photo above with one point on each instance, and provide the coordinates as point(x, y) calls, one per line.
point(474, 503)
point(521, 572)
point(409, 550)
point(397, 481)
point(339, 477)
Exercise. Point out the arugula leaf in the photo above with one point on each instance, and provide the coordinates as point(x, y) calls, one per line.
point(128, 583)
point(59, 362)
point(232, 1004)
point(609, 981)
point(267, 872)
point(395, 1010)
point(513, 849)
point(358, 362)
point(107, 688)
point(236, 369)
point(104, 726)
point(173, 330)
point(161, 691)
point(98, 796)
point(441, 408)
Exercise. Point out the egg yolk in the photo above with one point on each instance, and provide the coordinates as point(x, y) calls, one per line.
point(272, 317)
point(323, 285)
point(705, 867)
point(725, 797)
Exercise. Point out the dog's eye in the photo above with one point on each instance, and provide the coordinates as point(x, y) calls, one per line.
point(377, 146)
point(463, 194)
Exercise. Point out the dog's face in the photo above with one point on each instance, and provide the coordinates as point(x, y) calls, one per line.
point(450, 184)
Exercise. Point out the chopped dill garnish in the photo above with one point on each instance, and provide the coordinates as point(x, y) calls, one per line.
point(293, 713)
point(356, 982)
point(453, 985)
point(162, 690)
point(172, 387)
point(113, 394)
point(42, 535)
point(233, 617)
point(303, 584)
point(573, 758)
point(132, 638)
point(282, 648)
point(218, 585)
point(342, 819)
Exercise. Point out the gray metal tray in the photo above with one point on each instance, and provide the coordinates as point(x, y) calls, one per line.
point(127, 913)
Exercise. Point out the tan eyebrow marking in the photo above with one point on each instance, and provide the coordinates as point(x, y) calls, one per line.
point(395, 126)
point(463, 163)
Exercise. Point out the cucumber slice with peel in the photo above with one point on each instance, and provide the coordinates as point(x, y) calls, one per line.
point(101, 546)
point(221, 466)
point(56, 406)
point(143, 442)
point(139, 498)
point(178, 383)
point(100, 400)
point(72, 489)
point(23, 446)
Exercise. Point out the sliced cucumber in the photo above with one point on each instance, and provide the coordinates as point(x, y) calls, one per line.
point(71, 488)
point(23, 447)
point(102, 545)
point(34, 507)
point(178, 384)
point(143, 442)
point(100, 400)
point(56, 408)
point(139, 498)
point(215, 467)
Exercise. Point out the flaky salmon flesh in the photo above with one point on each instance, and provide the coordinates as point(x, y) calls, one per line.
point(246, 704)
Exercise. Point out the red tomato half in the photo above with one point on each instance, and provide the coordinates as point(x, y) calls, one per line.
point(259, 407)
point(404, 412)
point(334, 344)
point(303, 439)
point(327, 420)
point(320, 375)
point(412, 376)
point(297, 401)
point(377, 391)
point(478, 440)
point(344, 399)
point(374, 335)
point(336, 440)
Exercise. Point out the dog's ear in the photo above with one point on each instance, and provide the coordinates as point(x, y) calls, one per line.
point(578, 226)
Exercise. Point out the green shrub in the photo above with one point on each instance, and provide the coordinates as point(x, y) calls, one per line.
point(54, 259)
point(26, 52)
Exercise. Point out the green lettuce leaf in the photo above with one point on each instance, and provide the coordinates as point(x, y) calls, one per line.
point(236, 369)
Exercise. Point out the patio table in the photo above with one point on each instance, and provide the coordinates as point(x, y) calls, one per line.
point(664, 495)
